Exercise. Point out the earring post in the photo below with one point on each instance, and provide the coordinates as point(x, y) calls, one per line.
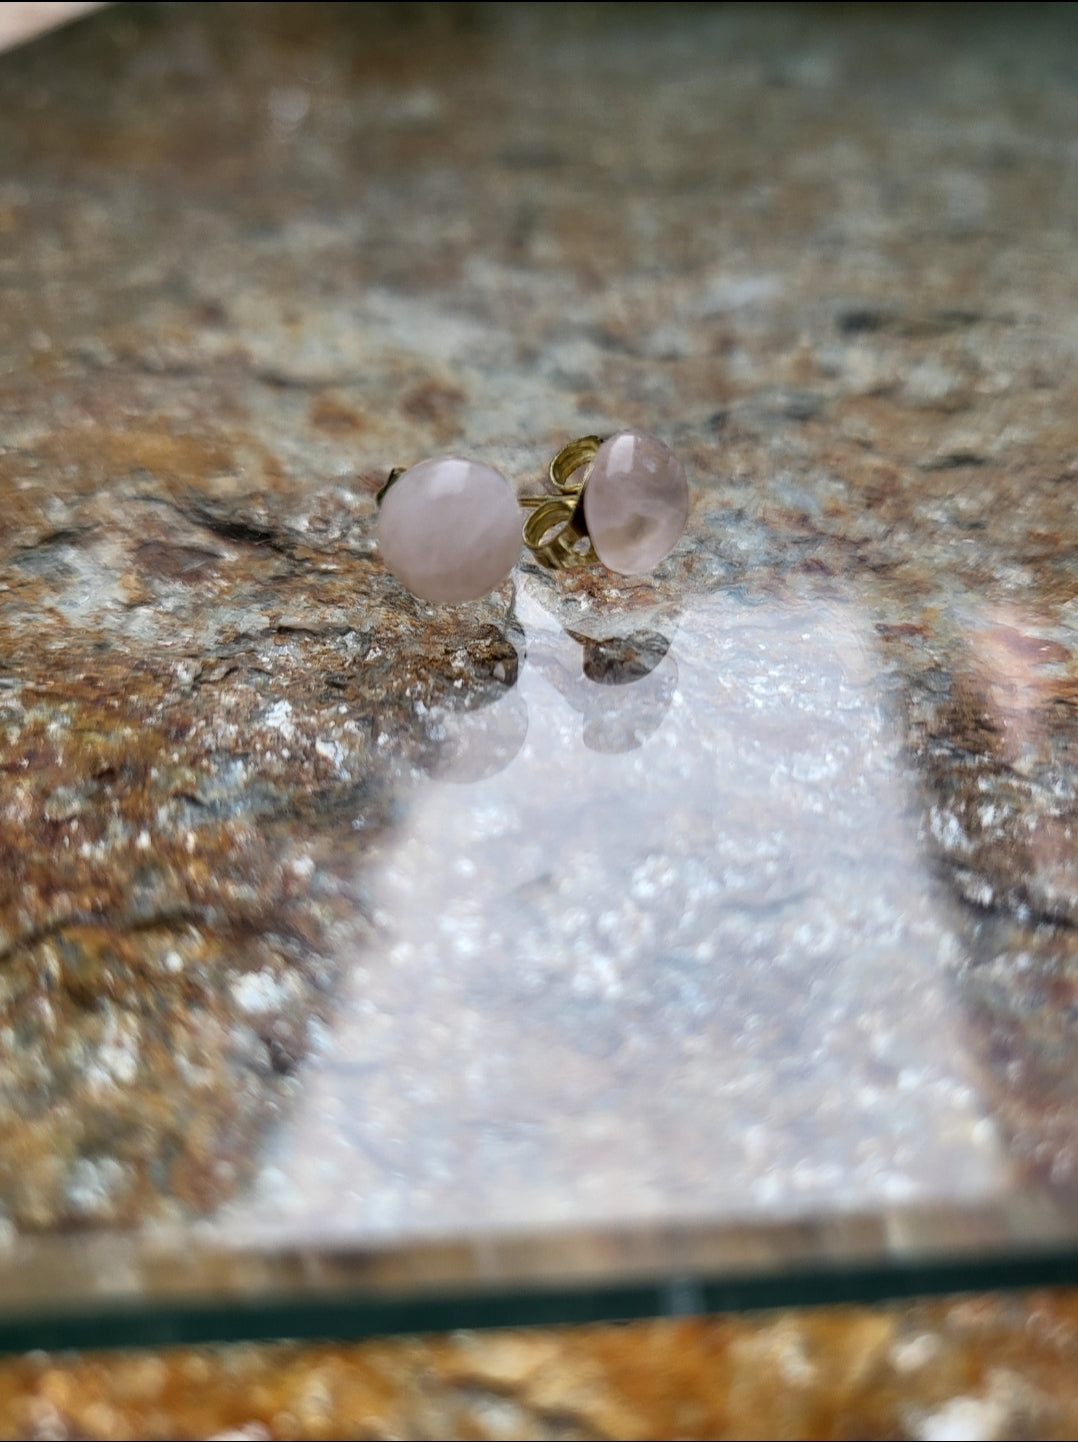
point(562, 513)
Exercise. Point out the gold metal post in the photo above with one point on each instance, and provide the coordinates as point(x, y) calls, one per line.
point(555, 527)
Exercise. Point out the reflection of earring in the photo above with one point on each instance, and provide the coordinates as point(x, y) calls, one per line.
point(623, 501)
point(475, 745)
point(622, 660)
point(621, 689)
point(448, 529)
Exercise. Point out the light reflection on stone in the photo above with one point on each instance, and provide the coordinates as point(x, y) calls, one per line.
point(682, 980)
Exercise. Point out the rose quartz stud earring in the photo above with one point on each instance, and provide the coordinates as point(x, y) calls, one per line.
point(623, 501)
point(448, 529)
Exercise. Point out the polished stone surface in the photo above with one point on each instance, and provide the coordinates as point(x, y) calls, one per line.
point(636, 502)
point(716, 920)
point(449, 529)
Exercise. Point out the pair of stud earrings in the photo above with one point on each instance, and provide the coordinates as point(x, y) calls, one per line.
point(450, 530)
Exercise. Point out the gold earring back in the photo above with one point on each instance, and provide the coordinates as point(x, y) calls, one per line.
point(556, 526)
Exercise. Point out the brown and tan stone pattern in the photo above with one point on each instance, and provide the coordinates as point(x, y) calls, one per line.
point(251, 257)
point(988, 1367)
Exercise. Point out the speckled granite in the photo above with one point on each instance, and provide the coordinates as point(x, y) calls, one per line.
point(741, 894)
point(991, 1367)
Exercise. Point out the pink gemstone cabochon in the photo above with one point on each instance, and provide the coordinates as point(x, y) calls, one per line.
point(449, 529)
point(636, 502)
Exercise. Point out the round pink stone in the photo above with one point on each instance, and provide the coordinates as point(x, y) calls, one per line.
point(449, 529)
point(636, 502)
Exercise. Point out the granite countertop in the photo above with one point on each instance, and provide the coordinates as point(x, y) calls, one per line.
point(732, 906)
point(989, 1367)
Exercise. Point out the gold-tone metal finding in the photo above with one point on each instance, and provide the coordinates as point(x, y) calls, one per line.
point(553, 532)
point(556, 531)
point(569, 460)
